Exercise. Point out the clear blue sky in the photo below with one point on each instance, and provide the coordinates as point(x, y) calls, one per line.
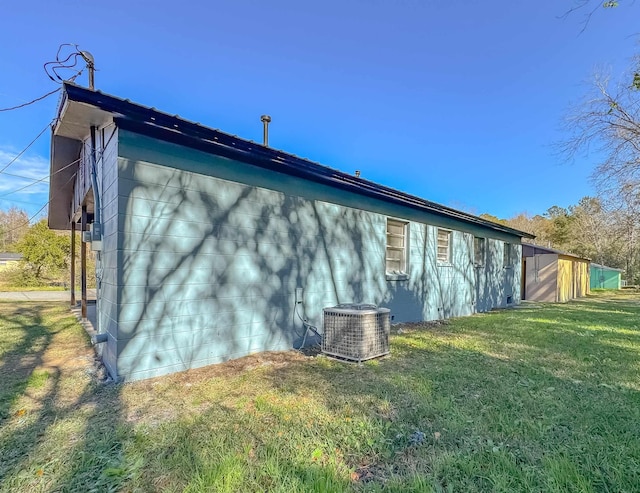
point(457, 102)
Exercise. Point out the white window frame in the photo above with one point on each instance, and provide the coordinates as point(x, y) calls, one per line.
point(507, 255)
point(449, 236)
point(479, 240)
point(404, 249)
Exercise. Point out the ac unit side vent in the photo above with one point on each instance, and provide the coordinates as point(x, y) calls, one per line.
point(356, 332)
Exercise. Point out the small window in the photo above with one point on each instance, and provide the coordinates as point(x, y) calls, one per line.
point(444, 246)
point(507, 259)
point(478, 250)
point(396, 247)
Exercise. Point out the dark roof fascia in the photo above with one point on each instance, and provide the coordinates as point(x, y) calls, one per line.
point(153, 123)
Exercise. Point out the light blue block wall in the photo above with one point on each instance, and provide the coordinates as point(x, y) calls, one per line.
point(107, 261)
point(210, 252)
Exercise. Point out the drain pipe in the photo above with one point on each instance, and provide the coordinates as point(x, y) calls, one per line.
point(99, 338)
point(96, 230)
point(94, 185)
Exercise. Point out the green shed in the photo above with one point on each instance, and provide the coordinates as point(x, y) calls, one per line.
point(603, 277)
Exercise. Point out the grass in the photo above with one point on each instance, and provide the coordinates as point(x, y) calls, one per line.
point(540, 398)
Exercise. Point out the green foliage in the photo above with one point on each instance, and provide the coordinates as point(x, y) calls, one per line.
point(44, 251)
point(604, 230)
point(19, 276)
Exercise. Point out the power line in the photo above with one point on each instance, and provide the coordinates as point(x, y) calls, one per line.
point(26, 148)
point(30, 178)
point(39, 210)
point(31, 102)
point(11, 201)
point(51, 68)
point(35, 181)
point(40, 180)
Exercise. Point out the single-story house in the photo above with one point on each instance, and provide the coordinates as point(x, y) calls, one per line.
point(7, 258)
point(603, 277)
point(553, 275)
point(211, 247)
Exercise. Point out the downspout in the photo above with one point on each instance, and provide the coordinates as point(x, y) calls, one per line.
point(94, 182)
point(96, 233)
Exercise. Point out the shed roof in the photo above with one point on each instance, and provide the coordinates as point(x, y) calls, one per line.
point(81, 107)
point(604, 267)
point(537, 249)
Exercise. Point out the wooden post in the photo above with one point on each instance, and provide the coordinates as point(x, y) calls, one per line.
point(83, 263)
point(73, 263)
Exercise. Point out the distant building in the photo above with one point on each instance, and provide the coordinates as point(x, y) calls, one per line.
point(603, 277)
point(553, 275)
point(9, 258)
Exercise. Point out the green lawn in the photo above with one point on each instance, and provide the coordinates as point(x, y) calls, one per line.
point(540, 398)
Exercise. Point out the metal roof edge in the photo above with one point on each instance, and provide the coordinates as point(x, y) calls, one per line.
point(593, 264)
point(152, 121)
point(556, 251)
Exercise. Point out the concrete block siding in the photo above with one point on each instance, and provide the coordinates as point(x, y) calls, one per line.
point(205, 254)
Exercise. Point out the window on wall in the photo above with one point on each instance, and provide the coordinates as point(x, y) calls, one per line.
point(444, 246)
point(478, 250)
point(507, 258)
point(396, 246)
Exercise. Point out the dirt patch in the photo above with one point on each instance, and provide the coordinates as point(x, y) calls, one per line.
point(160, 399)
point(416, 326)
point(235, 367)
point(370, 473)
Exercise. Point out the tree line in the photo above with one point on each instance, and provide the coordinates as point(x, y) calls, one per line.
point(604, 123)
point(606, 231)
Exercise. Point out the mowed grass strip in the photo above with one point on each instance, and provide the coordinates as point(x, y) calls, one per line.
point(538, 398)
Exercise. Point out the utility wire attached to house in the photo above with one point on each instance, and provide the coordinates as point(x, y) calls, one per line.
point(101, 155)
point(28, 222)
point(26, 148)
point(70, 62)
point(30, 102)
point(40, 180)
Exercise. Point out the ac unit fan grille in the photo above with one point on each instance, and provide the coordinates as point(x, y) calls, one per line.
point(356, 332)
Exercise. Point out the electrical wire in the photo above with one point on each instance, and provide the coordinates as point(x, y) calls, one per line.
point(26, 148)
point(31, 102)
point(307, 327)
point(39, 180)
point(30, 178)
point(106, 145)
point(70, 62)
point(28, 222)
point(12, 201)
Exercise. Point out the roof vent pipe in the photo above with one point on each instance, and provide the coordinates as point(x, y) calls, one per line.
point(265, 119)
